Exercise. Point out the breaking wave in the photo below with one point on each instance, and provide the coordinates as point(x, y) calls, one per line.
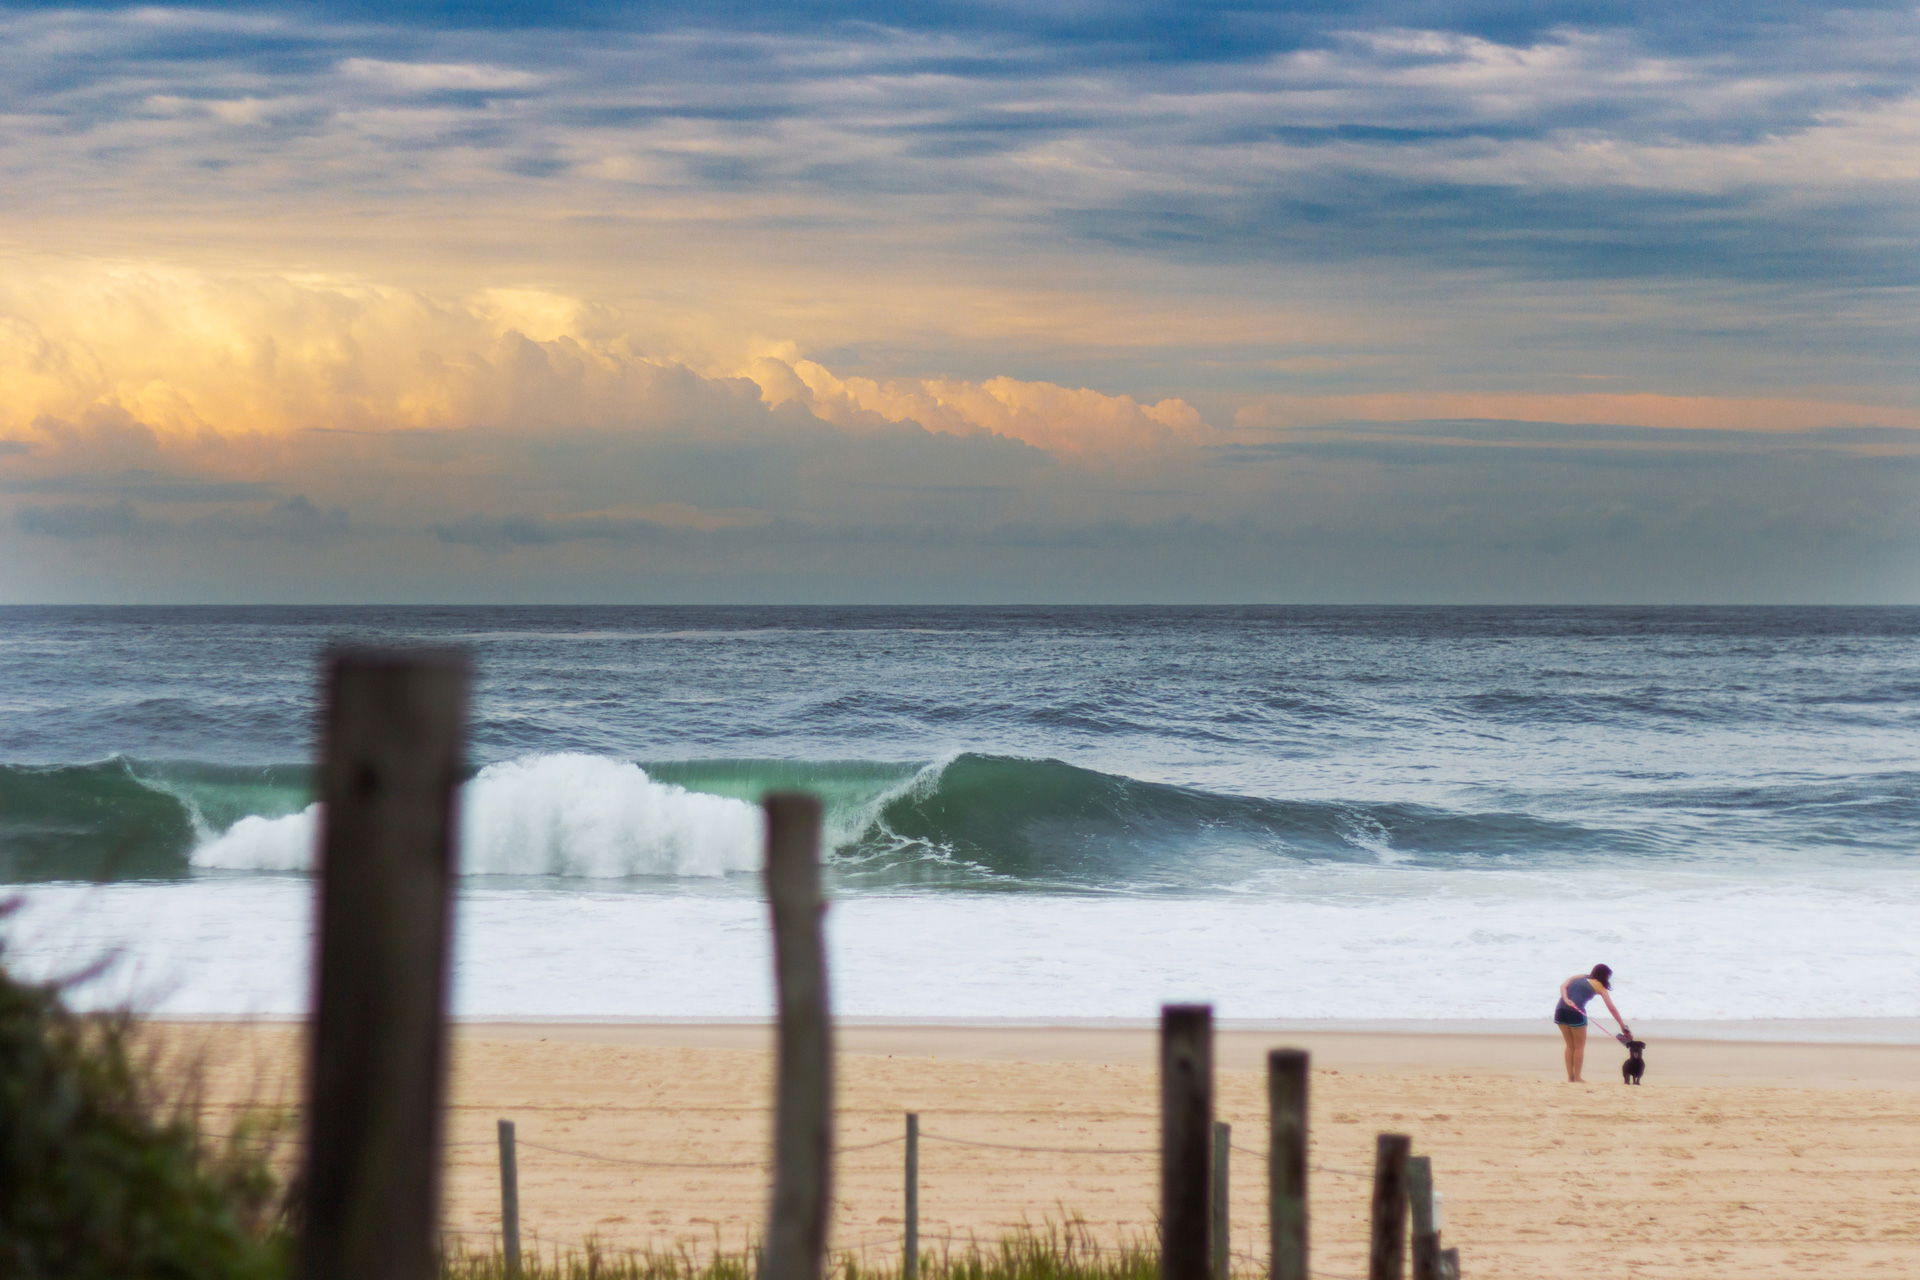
point(969, 821)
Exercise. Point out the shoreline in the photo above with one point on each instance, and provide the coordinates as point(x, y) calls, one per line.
point(1534, 1055)
point(1803, 1032)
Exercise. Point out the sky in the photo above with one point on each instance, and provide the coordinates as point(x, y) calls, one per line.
point(1077, 301)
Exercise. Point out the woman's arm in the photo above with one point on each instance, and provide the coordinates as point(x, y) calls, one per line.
point(1610, 1009)
point(1563, 991)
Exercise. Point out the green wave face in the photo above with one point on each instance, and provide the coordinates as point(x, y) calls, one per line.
point(996, 821)
point(970, 822)
point(115, 820)
point(1015, 823)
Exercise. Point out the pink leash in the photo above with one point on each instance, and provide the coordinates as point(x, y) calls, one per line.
point(1620, 1035)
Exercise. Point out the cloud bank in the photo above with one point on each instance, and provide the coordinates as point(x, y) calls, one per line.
point(168, 432)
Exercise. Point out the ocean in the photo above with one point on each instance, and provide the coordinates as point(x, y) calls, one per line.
point(1333, 816)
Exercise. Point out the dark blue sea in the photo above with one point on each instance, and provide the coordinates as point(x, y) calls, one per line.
point(1298, 813)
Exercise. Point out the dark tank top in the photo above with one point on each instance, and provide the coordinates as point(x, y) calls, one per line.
point(1579, 992)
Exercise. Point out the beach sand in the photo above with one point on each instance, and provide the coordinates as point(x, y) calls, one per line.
point(1734, 1159)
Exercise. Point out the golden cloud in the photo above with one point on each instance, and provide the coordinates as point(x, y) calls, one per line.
point(188, 353)
point(1064, 420)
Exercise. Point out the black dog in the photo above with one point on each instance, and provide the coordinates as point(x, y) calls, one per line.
point(1635, 1066)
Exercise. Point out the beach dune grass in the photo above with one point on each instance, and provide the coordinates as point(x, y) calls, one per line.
point(1053, 1251)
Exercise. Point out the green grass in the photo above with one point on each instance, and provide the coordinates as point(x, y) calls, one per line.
point(1052, 1252)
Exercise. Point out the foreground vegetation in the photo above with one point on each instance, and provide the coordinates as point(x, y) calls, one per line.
point(102, 1177)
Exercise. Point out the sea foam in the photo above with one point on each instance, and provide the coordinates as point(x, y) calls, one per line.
point(565, 814)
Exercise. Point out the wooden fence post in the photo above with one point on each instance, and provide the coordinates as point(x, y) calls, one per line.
point(803, 1088)
point(391, 764)
point(1387, 1255)
point(910, 1262)
point(1222, 1203)
point(509, 1200)
point(1186, 1134)
point(1426, 1236)
point(1287, 1162)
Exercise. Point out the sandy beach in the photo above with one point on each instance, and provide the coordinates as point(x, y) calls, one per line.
point(1735, 1158)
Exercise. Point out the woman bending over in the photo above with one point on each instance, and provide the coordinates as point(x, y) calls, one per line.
point(1570, 1014)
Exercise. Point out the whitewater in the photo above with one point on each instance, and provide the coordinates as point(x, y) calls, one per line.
point(1347, 816)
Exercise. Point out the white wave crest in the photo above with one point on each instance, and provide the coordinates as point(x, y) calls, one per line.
point(552, 815)
point(263, 844)
point(582, 815)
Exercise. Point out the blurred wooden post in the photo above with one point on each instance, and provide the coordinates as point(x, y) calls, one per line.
point(910, 1262)
point(1222, 1210)
point(1449, 1264)
point(803, 1088)
point(391, 763)
point(1387, 1256)
point(1186, 1134)
point(509, 1200)
point(1287, 1162)
point(1426, 1236)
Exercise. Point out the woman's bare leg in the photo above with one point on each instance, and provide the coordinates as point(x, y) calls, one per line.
point(1576, 1038)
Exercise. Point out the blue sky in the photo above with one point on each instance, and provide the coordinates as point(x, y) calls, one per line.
point(1398, 301)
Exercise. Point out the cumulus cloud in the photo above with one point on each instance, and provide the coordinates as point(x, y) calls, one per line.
point(141, 350)
point(1076, 421)
point(513, 438)
point(160, 404)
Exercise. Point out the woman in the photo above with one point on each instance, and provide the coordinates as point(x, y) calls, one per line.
point(1570, 1015)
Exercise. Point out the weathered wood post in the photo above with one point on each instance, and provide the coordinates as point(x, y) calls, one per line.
point(1449, 1264)
point(1426, 1235)
point(509, 1200)
point(1222, 1204)
point(1186, 1134)
point(1387, 1255)
point(803, 1089)
point(1287, 1162)
point(910, 1262)
point(391, 762)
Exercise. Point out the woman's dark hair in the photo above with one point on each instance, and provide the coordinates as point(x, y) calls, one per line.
point(1603, 973)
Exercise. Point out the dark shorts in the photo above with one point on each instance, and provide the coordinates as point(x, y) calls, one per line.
point(1566, 1015)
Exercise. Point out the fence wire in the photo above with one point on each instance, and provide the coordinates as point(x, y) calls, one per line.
point(1062, 1151)
point(888, 1239)
point(1316, 1168)
point(757, 1163)
point(925, 1136)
